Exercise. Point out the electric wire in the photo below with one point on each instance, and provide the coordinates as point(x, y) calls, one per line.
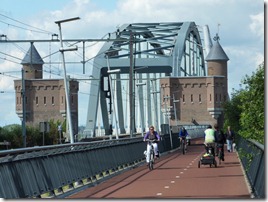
point(40, 30)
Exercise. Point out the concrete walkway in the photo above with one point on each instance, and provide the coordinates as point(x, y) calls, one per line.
point(176, 176)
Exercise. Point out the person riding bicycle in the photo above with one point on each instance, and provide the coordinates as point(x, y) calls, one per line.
point(152, 135)
point(219, 140)
point(209, 139)
point(182, 135)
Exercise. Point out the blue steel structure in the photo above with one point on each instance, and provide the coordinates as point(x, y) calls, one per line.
point(143, 52)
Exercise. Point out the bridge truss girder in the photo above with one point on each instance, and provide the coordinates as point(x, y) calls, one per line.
point(154, 50)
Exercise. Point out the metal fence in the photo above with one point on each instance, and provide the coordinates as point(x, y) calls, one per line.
point(57, 171)
point(252, 157)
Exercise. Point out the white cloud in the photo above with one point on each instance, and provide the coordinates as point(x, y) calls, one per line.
point(257, 25)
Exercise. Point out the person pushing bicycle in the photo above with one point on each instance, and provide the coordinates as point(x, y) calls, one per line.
point(151, 135)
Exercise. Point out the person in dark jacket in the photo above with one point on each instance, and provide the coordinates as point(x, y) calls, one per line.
point(182, 135)
point(219, 140)
point(230, 139)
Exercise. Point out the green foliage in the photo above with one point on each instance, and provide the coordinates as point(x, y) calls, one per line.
point(232, 111)
point(53, 134)
point(245, 111)
point(252, 116)
point(13, 134)
point(33, 136)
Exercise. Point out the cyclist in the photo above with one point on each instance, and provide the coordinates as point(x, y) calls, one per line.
point(220, 140)
point(152, 135)
point(182, 135)
point(209, 138)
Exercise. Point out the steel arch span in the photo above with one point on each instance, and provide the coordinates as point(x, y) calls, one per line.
point(139, 54)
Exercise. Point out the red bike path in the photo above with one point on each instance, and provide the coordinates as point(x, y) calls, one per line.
point(176, 176)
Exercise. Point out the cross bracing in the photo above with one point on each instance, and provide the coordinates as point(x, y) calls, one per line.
point(141, 52)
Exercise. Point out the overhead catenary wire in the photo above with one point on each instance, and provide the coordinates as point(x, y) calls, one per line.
point(37, 29)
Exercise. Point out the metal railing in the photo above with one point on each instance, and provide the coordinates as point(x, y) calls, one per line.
point(252, 157)
point(56, 171)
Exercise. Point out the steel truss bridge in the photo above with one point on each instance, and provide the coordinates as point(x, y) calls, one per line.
point(125, 91)
point(124, 85)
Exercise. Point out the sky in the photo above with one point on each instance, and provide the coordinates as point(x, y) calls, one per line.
point(239, 23)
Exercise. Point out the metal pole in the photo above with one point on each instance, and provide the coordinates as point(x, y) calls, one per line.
point(112, 100)
point(139, 91)
point(23, 108)
point(131, 96)
point(69, 118)
point(44, 135)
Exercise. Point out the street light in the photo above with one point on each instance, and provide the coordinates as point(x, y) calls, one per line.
point(69, 117)
point(114, 71)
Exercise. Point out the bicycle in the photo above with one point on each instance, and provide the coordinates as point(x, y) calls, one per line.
point(209, 157)
point(151, 154)
point(220, 153)
point(183, 144)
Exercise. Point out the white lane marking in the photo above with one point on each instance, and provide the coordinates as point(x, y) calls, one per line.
point(159, 194)
point(166, 187)
point(177, 176)
point(181, 172)
point(172, 182)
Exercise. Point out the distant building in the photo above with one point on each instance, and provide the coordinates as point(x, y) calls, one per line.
point(45, 98)
point(198, 100)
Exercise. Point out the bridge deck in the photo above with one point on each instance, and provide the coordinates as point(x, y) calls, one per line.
point(176, 176)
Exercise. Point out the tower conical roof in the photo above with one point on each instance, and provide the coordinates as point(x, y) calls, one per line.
point(32, 57)
point(216, 52)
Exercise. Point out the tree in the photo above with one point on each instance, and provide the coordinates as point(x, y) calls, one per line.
point(252, 99)
point(232, 111)
point(245, 111)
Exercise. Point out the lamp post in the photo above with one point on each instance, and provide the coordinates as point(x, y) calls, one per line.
point(114, 71)
point(23, 108)
point(131, 90)
point(69, 117)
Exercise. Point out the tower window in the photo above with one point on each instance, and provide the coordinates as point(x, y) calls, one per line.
point(52, 100)
point(192, 98)
point(45, 100)
point(210, 97)
point(183, 98)
point(36, 100)
point(200, 98)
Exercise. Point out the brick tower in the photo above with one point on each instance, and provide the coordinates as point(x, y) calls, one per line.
point(45, 98)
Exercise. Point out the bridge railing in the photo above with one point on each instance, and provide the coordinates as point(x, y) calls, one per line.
point(52, 171)
point(252, 157)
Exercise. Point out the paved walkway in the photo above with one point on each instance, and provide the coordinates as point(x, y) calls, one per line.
point(176, 176)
